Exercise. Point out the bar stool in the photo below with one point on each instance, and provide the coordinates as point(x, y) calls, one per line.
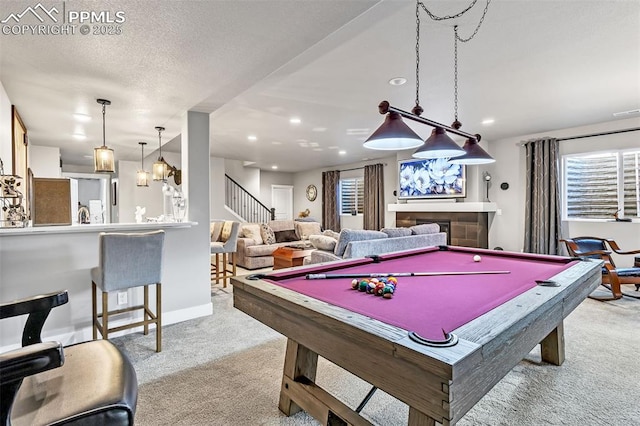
point(127, 261)
point(227, 245)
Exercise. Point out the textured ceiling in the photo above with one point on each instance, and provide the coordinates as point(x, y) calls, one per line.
point(534, 66)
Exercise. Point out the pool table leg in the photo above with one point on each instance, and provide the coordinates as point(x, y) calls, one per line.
point(416, 418)
point(552, 346)
point(298, 362)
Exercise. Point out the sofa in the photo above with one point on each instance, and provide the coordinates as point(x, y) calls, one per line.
point(257, 241)
point(360, 243)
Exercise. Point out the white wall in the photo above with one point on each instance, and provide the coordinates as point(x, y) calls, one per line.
point(6, 154)
point(247, 177)
point(44, 161)
point(303, 179)
point(507, 230)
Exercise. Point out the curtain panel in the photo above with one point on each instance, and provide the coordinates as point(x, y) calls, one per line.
point(374, 208)
point(542, 207)
point(330, 213)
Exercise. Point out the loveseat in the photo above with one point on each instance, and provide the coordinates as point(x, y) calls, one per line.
point(257, 241)
point(360, 243)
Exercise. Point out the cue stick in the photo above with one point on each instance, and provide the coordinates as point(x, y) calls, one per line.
point(400, 274)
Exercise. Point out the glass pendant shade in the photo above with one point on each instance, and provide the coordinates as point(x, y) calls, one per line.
point(142, 178)
point(103, 161)
point(438, 145)
point(393, 134)
point(474, 154)
point(159, 171)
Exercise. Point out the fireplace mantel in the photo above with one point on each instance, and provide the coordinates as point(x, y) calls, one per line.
point(443, 207)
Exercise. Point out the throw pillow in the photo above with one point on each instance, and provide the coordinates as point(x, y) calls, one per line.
point(305, 229)
point(396, 232)
point(286, 236)
point(252, 230)
point(215, 229)
point(333, 234)
point(267, 234)
point(322, 242)
point(348, 235)
point(427, 228)
point(226, 231)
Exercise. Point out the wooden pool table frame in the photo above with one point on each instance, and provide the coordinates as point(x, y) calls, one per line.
point(438, 384)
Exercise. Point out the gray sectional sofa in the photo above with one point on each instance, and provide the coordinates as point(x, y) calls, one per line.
point(357, 243)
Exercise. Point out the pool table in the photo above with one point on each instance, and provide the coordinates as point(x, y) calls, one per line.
point(439, 344)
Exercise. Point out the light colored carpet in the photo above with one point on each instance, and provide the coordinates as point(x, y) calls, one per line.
point(226, 370)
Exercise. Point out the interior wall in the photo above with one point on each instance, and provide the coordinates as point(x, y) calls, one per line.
point(247, 177)
point(303, 179)
point(507, 230)
point(44, 161)
point(274, 178)
point(5, 131)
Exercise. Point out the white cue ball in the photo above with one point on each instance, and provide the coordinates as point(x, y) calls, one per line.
point(477, 258)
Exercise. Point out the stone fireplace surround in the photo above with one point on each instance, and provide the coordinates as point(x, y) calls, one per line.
point(467, 229)
point(468, 222)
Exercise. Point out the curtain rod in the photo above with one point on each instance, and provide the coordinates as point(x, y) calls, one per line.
point(360, 168)
point(612, 132)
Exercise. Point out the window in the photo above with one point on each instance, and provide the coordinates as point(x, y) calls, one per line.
point(598, 185)
point(352, 196)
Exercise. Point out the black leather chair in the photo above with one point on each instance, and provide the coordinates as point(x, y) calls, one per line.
point(89, 383)
point(612, 276)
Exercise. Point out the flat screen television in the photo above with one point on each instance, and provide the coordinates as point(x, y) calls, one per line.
point(431, 178)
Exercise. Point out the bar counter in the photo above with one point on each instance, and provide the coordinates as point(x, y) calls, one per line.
point(38, 260)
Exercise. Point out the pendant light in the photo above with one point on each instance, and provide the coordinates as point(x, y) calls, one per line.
point(473, 152)
point(142, 176)
point(103, 156)
point(159, 171)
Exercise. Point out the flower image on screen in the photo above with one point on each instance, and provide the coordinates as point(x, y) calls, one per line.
point(431, 178)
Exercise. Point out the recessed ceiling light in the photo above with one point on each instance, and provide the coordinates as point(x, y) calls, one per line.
point(79, 136)
point(342, 152)
point(397, 81)
point(252, 138)
point(317, 149)
point(356, 132)
point(83, 118)
point(295, 120)
point(319, 129)
point(624, 113)
point(274, 167)
point(488, 121)
point(276, 143)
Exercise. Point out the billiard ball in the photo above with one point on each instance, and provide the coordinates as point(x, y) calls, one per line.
point(477, 258)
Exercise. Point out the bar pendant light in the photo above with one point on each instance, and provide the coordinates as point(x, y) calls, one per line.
point(393, 134)
point(438, 145)
point(103, 156)
point(474, 154)
point(142, 176)
point(159, 170)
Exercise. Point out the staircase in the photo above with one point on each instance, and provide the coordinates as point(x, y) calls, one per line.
point(244, 204)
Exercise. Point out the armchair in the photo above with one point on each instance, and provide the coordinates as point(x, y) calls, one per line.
point(87, 383)
point(612, 276)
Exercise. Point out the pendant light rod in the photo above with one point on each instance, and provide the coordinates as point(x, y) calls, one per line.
point(104, 102)
point(384, 108)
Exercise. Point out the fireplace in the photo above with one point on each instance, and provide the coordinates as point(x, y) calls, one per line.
point(445, 226)
point(467, 229)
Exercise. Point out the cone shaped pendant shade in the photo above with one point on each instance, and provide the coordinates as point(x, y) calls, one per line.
point(393, 134)
point(474, 154)
point(438, 145)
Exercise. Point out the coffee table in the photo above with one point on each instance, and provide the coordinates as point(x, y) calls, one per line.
point(289, 256)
